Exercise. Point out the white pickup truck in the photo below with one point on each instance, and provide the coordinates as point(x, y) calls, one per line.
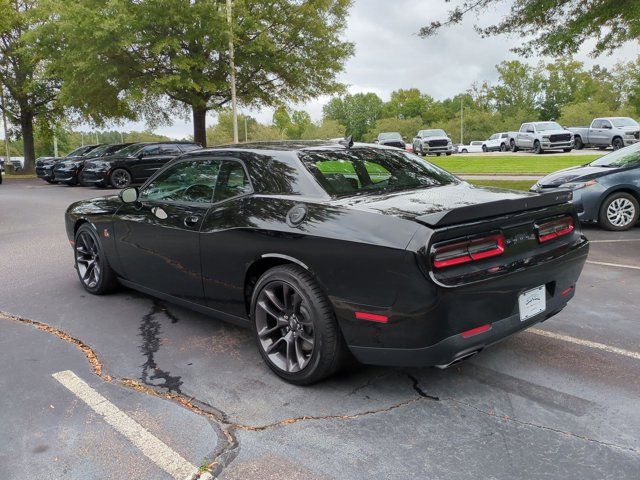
point(618, 132)
point(541, 136)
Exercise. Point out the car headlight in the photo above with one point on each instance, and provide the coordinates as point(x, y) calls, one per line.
point(579, 185)
point(630, 133)
point(545, 137)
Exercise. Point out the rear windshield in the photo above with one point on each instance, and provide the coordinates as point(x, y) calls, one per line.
point(361, 171)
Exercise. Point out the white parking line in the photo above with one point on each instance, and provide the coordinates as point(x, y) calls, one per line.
point(617, 265)
point(154, 449)
point(586, 343)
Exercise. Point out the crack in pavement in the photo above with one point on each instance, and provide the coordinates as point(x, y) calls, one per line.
point(224, 455)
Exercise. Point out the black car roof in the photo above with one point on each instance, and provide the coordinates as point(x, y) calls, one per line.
point(291, 146)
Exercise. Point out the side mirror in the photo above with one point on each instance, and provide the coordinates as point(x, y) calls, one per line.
point(376, 141)
point(129, 195)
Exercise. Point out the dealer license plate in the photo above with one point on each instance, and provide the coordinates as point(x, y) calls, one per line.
point(532, 302)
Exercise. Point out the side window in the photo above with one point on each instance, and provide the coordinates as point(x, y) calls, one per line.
point(170, 149)
point(524, 128)
point(597, 124)
point(150, 150)
point(191, 181)
point(232, 181)
point(187, 147)
point(606, 124)
point(377, 173)
point(493, 137)
point(504, 135)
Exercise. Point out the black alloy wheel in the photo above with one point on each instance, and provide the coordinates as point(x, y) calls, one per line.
point(579, 145)
point(485, 149)
point(94, 270)
point(120, 178)
point(295, 327)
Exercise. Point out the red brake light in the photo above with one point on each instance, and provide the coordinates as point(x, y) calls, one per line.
point(555, 228)
point(468, 251)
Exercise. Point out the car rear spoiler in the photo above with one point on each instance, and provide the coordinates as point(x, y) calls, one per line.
point(494, 209)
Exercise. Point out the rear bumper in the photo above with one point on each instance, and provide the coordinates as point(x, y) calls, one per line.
point(427, 331)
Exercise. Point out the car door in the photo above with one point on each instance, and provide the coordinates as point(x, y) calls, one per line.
point(158, 239)
point(597, 133)
point(523, 136)
point(226, 238)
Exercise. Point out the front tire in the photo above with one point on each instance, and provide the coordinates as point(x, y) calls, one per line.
point(537, 149)
point(120, 178)
point(617, 143)
point(295, 327)
point(514, 147)
point(619, 212)
point(95, 273)
point(579, 144)
point(503, 147)
point(484, 149)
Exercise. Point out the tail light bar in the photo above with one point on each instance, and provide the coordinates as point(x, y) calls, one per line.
point(468, 250)
point(558, 227)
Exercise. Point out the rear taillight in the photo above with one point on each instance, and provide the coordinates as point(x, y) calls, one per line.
point(469, 250)
point(558, 227)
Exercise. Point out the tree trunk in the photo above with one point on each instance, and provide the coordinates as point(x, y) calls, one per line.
point(200, 125)
point(26, 124)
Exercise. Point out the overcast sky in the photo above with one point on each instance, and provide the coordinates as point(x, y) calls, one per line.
point(389, 55)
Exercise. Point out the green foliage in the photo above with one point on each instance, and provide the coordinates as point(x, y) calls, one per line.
point(523, 185)
point(555, 27)
point(358, 113)
point(156, 58)
point(325, 130)
point(300, 123)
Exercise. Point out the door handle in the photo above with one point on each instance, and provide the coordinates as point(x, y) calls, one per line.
point(191, 221)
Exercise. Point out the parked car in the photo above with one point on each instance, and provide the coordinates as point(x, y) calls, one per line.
point(16, 162)
point(618, 132)
point(68, 171)
point(473, 147)
point(44, 165)
point(541, 136)
point(321, 248)
point(432, 142)
point(606, 191)
point(133, 164)
point(391, 139)
point(498, 142)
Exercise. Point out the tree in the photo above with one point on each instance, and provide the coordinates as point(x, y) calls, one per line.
point(519, 90)
point(281, 119)
point(31, 92)
point(358, 113)
point(300, 123)
point(555, 27)
point(156, 56)
point(407, 104)
point(325, 130)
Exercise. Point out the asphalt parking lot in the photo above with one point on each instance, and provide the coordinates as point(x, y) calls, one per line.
point(144, 389)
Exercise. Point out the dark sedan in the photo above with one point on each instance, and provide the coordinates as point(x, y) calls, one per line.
point(133, 164)
point(45, 165)
point(606, 191)
point(322, 248)
point(68, 171)
point(391, 139)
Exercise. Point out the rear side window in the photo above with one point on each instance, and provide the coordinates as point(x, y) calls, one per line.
point(360, 171)
point(187, 147)
point(169, 149)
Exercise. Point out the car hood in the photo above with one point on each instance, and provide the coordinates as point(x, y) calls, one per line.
point(628, 129)
point(449, 204)
point(554, 132)
point(573, 174)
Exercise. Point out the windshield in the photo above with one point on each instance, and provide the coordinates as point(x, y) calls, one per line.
point(434, 133)
point(390, 136)
point(360, 171)
point(624, 122)
point(78, 151)
point(97, 152)
point(544, 126)
point(625, 157)
point(130, 150)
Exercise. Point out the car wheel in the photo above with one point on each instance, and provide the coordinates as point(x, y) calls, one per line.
point(421, 150)
point(295, 327)
point(50, 182)
point(120, 178)
point(449, 154)
point(566, 150)
point(514, 147)
point(503, 147)
point(578, 143)
point(485, 149)
point(464, 150)
point(619, 212)
point(95, 273)
point(537, 149)
point(617, 143)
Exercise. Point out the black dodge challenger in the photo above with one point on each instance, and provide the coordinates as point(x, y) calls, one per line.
point(325, 249)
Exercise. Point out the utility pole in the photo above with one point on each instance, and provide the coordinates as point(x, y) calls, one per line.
point(121, 138)
point(55, 145)
point(82, 138)
point(246, 136)
point(462, 120)
point(6, 129)
point(232, 66)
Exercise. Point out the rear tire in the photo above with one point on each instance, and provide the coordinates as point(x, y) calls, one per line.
point(485, 149)
point(503, 147)
point(95, 274)
point(295, 327)
point(514, 147)
point(619, 212)
point(464, 150)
